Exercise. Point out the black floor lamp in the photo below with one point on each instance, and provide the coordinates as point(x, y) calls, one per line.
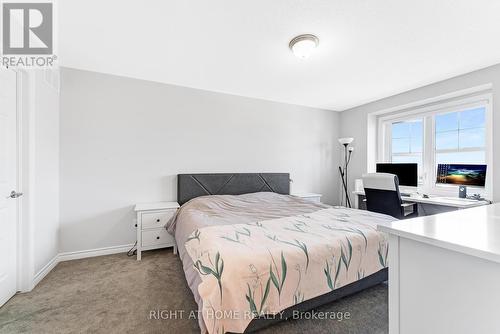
point(343, 169)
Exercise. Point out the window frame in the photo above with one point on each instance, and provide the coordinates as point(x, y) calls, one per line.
point(427, 113)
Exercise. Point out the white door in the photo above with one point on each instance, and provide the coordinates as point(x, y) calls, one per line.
point(8, 182)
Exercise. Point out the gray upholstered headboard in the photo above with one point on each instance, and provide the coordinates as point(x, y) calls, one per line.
point(193, 185)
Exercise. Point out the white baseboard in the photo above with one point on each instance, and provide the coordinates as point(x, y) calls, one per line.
point(45, 270)
point(67, 256)
point(93, 252)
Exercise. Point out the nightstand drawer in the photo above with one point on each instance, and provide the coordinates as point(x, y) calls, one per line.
point(315, 199)
point(156, 237)
point(156, 219)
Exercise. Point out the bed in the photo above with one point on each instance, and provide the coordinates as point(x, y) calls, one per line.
point(253, 255)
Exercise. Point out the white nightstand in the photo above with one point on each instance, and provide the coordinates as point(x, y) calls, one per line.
point(151, 220)
point(309, 196)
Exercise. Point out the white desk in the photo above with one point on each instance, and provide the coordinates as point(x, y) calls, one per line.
point(444, 272)
point(455, 202)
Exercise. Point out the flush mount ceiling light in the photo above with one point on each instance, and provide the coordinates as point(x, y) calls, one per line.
point(303, 45)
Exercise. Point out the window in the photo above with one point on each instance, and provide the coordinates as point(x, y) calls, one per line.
point(407, 143)
point(455, 132)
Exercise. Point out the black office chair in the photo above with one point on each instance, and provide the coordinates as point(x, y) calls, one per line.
point(382, 196)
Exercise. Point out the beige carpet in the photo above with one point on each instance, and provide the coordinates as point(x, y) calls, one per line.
point(115, 294)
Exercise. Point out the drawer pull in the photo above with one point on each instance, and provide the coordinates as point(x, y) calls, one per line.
point(158, 220)
point(157, 238)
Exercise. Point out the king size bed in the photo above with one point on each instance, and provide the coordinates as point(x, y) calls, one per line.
point(252, 254)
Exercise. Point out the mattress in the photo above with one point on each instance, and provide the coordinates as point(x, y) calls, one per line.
point(258, 239)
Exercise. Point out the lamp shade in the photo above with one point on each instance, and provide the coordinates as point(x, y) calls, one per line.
point(346, 140)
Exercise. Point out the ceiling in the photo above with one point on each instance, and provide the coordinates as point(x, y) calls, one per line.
point(369, 49)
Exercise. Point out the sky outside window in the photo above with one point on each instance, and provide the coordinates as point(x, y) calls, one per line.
point(460, 136)
point(407, 142)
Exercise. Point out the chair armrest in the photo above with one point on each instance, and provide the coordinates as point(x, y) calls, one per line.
point(410, 214)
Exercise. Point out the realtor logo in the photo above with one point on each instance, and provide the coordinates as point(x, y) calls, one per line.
point(27, 28)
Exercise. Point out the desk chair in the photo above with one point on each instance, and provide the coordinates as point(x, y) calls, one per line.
point(383, 196)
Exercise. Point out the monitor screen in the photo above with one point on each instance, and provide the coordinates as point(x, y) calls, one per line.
point(469, 175)
point(407, 173)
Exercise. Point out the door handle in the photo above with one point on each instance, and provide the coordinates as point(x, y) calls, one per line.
point(14, 194)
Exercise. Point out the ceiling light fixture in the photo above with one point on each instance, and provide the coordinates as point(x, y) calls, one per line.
point(303, 45)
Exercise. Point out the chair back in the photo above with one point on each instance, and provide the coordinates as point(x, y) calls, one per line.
point(382, 194)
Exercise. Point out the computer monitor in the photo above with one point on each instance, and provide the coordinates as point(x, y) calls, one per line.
point(460, 174)
point(407, 172)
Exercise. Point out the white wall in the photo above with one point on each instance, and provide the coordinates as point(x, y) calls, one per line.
point(353, 122)
point(124, 140)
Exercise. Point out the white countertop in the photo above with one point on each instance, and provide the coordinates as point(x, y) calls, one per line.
point(474, 231)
